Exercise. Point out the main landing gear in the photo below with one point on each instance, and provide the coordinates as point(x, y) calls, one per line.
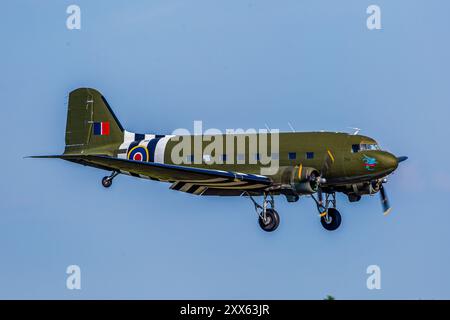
point(329, 217)
point(268, 217)
point(108, 180)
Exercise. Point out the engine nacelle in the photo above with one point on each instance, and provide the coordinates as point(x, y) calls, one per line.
point(303, 180)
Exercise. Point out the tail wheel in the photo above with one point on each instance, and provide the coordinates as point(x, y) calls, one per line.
point(106, 182)
point(332, 220)
point(271, 222)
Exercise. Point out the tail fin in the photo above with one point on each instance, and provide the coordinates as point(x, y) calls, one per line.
point(92, 127)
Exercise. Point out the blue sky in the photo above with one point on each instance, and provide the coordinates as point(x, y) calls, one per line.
point(231, 64)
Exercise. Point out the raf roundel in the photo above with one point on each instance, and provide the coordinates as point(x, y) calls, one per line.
point(138, 153)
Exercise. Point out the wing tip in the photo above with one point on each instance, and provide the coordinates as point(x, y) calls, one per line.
point(44, 157)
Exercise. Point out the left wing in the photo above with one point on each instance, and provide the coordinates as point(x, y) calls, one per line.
point(187, 179)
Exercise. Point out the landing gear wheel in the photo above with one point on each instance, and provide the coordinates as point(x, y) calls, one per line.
point(106, 182)
point(332, 221)
point(271, 222)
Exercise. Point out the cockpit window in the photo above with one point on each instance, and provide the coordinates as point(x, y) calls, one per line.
point(371, 146)
point(364, 146)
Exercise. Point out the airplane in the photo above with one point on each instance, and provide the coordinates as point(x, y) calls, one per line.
point(314, 164)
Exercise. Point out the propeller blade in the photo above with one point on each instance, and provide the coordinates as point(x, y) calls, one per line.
point(385, 201)
point(402, 158)
point(327, 163)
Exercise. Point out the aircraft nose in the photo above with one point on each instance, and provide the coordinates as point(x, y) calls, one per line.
point(390, 162)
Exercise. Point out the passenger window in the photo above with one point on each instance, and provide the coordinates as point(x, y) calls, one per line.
point(355, 148)
point(292, 156)
point(309, 155)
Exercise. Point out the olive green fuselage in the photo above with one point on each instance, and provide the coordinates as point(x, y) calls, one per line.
point(306, 149)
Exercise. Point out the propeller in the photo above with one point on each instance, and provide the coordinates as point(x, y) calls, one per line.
point(383, 196)
point(327, 163)
point(384, 201)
